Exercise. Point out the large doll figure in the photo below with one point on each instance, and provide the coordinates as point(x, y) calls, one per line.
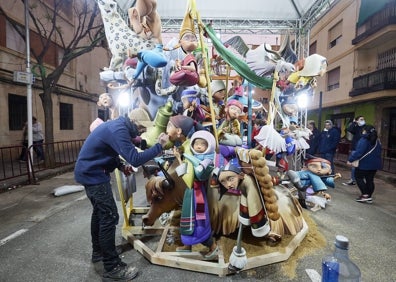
point(229, 131)
point(218, 95)
point(251, 212)
point(106, 101)
point(191, 105)
point(202, 146)
point(186, 73)
point(198, 153)
point(317, 175)
point(146, 22)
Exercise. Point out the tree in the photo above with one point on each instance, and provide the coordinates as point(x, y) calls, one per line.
point(48, 20)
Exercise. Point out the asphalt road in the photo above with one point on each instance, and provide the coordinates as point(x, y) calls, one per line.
point(47, 238)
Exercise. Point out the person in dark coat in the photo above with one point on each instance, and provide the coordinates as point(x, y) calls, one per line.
point(313, 138)
point(368, 152)
point(355, 128)
point(98, 157)
point(328, 142)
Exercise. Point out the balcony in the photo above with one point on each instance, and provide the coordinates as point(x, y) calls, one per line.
point(376, 23)
point(383, 79)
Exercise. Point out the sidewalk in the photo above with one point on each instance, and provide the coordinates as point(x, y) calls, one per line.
point(368, 226)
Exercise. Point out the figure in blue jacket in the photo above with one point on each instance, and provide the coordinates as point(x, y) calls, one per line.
point(317, 175)
point(368, 152)
point(98, 157)
point(328, 142)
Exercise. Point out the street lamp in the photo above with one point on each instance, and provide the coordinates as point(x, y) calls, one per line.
point(302, 100)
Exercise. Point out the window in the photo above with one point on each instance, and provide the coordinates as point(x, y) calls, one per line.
point(67, 8)
point(64, 6)
point(60, 56)
point(13, 40)
point(387, 59)
point(312, 48)
point(333, 79)
point(335, 35)
point(17, 111)
point(66, 116)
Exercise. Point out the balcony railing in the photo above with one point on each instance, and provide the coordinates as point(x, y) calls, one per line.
point(375, 81)
point(381, 19)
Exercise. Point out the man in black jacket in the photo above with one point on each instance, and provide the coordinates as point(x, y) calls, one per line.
point(355, 128)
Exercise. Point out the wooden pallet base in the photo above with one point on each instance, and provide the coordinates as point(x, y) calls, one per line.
point(193, 261)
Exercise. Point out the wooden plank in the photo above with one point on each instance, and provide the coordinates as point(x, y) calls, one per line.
point(221, 256)
point(279, 256)
point(142, 248)
point(188, 255)
point(138, 230)
point(162, 240)
point(140, 210)
point(190, 264)
point(193, 261)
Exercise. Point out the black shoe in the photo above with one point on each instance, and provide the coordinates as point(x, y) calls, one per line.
point(350, 182)
point(303, 203)
point(120, 273)
point(364, 199)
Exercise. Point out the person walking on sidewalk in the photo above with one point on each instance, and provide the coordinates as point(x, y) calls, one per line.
point(38, 139)
point(368, 152)
point(98, 157)
point(355, 128)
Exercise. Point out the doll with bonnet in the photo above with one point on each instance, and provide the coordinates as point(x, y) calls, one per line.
point(195, 226)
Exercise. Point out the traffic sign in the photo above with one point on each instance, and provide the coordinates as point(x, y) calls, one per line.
point(23, 77)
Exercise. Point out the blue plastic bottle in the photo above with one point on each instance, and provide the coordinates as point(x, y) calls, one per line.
point(337, 267)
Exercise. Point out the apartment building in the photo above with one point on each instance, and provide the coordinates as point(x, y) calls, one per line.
point(358, 38)
point(74, 101)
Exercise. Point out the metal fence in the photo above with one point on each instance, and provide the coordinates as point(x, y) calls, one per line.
point(19, 161)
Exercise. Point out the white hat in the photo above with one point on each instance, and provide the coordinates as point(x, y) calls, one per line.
point(313, 65)
point(217, 85)
point(140, 117)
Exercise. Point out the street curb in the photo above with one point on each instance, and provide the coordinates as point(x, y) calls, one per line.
point(16, 182)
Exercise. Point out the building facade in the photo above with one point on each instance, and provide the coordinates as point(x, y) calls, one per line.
point(358, 38)
point(74, 101)
point(358, 41)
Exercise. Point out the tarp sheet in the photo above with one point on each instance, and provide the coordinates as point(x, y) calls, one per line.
point(369, 8)
point(236, 63)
